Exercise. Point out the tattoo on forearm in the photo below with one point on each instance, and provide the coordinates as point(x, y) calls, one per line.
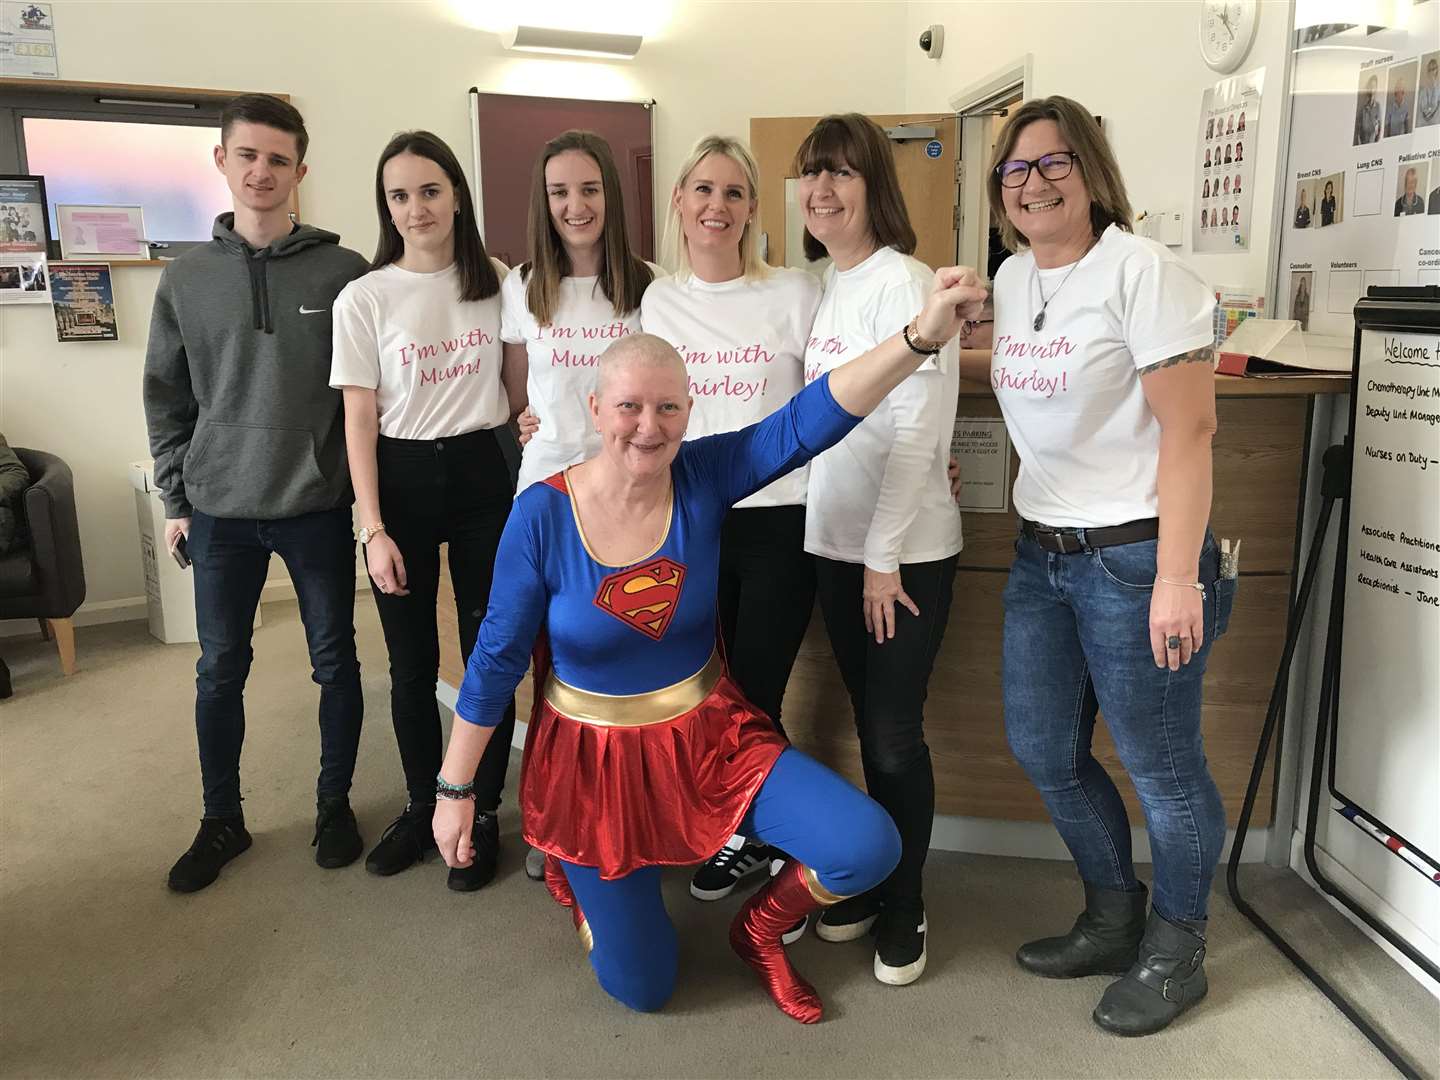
point(1205, 354)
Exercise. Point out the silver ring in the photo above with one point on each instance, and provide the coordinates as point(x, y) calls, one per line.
point(1172, 642)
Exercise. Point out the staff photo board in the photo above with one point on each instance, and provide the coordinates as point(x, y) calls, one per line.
point(1362, 170)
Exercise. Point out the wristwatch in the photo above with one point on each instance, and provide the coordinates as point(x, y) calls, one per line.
point(369, 532)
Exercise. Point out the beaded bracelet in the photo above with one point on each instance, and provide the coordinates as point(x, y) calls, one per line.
point(446, 790)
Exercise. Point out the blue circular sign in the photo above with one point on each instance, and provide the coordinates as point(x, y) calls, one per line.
point(933, 148)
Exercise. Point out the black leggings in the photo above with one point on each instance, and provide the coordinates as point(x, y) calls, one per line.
point(766, 594)
point(888, 684)
point(434, 491)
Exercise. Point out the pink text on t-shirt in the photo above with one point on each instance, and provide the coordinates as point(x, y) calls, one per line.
point(467, 340)
point(608, 332)
point(1002, 378)
point(1010, 349)
point(726, 386)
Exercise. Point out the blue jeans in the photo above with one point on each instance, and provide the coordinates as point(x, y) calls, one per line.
point(230, 557)
point(1077, 639)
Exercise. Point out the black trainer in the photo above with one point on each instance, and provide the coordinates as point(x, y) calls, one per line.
point(485, 835)
point(732, 864)
point(408, 839)
point(218, 841)
point(337, 840)
point(900, 943)
point(851, 918)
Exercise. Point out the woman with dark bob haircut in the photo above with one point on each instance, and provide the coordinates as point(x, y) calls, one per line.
point(417, 356)
point(880, 517)
point(1115, 595)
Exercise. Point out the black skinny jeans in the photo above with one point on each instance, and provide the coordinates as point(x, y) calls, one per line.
point(766, 593)
point(888, 684)
point(434, 491)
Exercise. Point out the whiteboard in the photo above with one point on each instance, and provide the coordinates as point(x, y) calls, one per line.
point(1387, 736)
point(1364, 124)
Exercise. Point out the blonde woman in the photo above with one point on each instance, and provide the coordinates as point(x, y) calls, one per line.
point(741, 327)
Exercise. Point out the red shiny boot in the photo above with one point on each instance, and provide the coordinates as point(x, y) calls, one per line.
point(558, 883)
point(559, 886)
point(755, 937)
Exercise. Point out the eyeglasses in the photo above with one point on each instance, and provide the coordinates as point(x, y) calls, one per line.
point(1056, 166)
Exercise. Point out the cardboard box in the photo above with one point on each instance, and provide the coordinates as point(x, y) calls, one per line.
point(169, 590)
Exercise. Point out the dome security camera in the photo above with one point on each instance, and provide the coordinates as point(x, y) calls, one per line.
point(932, 41)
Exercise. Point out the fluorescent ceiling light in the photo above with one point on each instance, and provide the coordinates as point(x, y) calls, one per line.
point(571, 42)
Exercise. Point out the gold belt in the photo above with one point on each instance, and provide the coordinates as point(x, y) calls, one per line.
point(633, 710)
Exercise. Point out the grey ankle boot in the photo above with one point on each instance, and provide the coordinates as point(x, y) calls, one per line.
point(1167, 979)
point(1103, 941)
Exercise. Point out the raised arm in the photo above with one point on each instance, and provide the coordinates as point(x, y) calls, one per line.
point(862, 383)
point(742, 462)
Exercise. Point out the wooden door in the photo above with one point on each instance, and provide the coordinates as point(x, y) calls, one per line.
point(928, 183)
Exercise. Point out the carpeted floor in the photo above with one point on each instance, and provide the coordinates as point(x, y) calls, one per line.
point(283, 969)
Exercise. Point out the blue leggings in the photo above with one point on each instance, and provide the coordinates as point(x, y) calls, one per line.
point(803, 808)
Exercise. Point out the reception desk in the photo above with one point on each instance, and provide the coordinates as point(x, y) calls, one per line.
point(1259, 467)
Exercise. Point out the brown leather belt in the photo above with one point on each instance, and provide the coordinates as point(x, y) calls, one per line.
point(1065, 541)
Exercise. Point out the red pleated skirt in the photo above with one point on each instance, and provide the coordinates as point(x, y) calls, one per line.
point(662, 794)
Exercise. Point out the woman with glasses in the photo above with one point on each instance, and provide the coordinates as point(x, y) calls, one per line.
point(1102, 367)
point(879, 513)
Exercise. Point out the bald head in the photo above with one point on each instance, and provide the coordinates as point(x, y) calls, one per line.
point(638, 352)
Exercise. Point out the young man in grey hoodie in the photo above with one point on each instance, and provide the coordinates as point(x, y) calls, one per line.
point(249, 447)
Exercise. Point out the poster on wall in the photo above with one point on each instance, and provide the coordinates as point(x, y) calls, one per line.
point(27, 40)
point(1225, 164)
point(24, 279)
point(1362, 170)
point(84, 301)
point(981, 444)
point(24, 216)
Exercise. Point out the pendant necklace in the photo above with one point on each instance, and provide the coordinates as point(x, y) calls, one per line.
point(1039, 323)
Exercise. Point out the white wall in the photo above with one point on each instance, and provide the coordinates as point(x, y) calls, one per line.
point(359, 72)
point(1136, 65)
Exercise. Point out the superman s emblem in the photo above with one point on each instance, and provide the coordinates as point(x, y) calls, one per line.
point(644, 597)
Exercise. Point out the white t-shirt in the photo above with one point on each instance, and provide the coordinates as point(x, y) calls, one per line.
point(432, 359)
point(562, 359)
point(744, 348)
point(881, 496)
point(1089, 445)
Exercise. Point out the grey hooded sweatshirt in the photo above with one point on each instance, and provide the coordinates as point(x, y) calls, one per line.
point(243, 422)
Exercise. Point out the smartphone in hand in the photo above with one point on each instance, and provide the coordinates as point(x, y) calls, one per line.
point(182, 557)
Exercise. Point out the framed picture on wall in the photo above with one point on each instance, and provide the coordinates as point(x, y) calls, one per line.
point(114, 232)
point(24, 215)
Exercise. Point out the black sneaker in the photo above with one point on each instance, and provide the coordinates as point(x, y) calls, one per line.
point(486, 837)
point(900, 944)
point(796, 932)
point(406, 840)
point(218, 841)
point(337, 840)
point(732, 864)
point(851, 918)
